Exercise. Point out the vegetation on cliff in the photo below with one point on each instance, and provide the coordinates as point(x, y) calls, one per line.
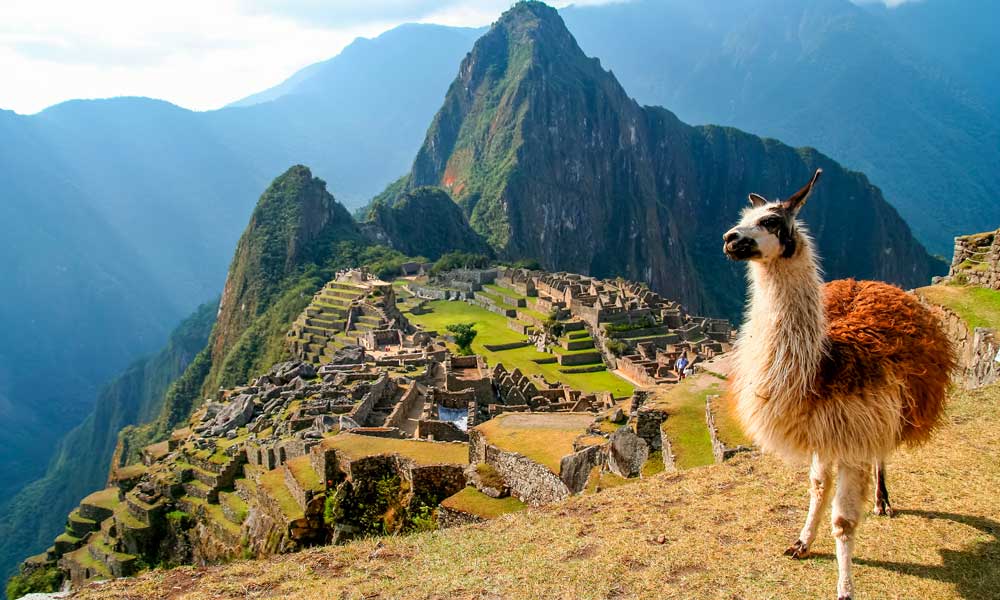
point(422, 222)
point(81, 461)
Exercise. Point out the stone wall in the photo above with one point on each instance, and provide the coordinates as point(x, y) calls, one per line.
point(977, 350)
point(410, 398)
point(977, 259)
point(528, 481)
point(441, 431)
point(363, 409)
point(721, 451)
point(447, 517)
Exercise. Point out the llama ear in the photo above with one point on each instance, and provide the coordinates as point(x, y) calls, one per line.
point(756, 200)
point(797, 200)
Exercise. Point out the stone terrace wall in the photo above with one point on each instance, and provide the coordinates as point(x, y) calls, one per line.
point(977, 350)
point(977, 259)
point(529, 481)
point(410, 398)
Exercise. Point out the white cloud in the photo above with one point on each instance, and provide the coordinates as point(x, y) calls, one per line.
point(195, 53)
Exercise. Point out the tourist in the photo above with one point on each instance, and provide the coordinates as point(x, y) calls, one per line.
point(681, 366)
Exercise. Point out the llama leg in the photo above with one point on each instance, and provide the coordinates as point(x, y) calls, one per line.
point(820, 478)
point(882, 506)
point(852, 487)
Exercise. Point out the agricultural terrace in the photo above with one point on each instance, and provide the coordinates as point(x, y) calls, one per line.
point(471, 500)
point(543, 437)
point(423, 453)
point(977, 306)
point(686, 427)
point(492, 330)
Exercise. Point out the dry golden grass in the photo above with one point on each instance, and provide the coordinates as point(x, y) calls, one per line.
point(472, 501)
point(543, 437)
point(424, 453)
point(714, 532)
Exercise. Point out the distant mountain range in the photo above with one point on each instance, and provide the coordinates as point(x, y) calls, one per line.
point(122, 214)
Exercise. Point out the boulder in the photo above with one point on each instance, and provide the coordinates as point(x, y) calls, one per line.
point(235, 415)
point(282, 373)
point(627, 453)
point(574, 469)
point(347, 423)
point(348, 355)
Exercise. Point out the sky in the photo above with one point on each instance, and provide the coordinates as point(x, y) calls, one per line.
point(199, 54)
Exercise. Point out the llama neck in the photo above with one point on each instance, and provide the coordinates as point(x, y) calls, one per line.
point(785, 336)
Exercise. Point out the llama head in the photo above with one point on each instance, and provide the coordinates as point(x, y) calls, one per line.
point(768, 230)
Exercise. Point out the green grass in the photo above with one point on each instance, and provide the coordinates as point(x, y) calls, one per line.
point(504, 291)
point(274, 483)
point(685, 426)
point(423, 453)
point(492, 330)
point(730, 431)
point(67, 538)
point(107, 498)
point(654, 464)
point(977, 306)
point(303, 472)
point(542, 437)
point(472, 501)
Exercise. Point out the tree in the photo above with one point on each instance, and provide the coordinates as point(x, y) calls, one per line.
point(463, 333)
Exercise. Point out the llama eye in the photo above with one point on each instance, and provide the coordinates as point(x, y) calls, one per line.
point(770, 222)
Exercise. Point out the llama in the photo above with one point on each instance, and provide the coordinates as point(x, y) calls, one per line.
point(839, 374)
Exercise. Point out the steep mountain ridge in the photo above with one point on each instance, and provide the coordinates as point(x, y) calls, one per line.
point(551, 159)
point(902, 94)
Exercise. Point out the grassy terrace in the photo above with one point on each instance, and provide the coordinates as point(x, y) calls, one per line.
point(493, 330)
point(107, 498)
point(685, 427)
point(499, 289)
point(423, 453)
point(978, 307)
point(472, 501)
point(274, 483)
point(543, 437)
point(730, 431)
point(303, 473)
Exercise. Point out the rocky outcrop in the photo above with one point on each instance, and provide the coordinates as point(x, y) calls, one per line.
point(627, 453)
point(295, 223)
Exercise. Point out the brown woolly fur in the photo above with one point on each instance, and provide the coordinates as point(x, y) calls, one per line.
point(840, 373)
point(877, 332)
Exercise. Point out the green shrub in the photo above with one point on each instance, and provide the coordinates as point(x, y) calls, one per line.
point(464, 334)
point(42, 581)
point(617, 347)
point(460, 260)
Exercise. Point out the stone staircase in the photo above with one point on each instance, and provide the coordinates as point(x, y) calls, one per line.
point(326, 325)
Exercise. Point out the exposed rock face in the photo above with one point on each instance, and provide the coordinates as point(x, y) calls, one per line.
point(627, 453)
point(423, 222)
point(550, 159)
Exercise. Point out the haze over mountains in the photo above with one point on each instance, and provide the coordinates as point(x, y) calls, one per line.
point(164, 192)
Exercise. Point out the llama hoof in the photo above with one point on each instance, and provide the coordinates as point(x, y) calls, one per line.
point(883, 509)
point(843, 598)
point(798, 550)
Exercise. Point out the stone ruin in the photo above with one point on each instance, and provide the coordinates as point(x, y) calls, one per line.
point(976, 260)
